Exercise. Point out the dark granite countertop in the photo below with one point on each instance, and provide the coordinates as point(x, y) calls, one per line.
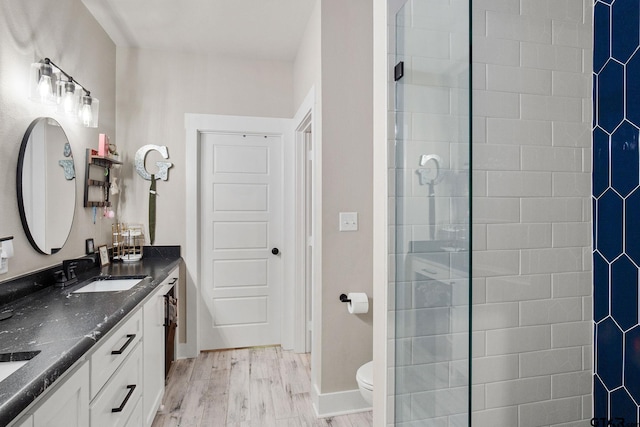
point(64, 326)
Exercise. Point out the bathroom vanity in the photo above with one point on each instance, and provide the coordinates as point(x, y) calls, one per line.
point(93, 358)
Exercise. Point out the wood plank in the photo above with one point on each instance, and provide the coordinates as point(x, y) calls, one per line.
point(239, 387)
point(168, 420)
point(294, 376)
point(260, 402)
point(194, 403)
point(289, 422)
point(203, 366)
point(302, 403)
point(361, 418)
point(259, 364)
point(283, 406)
point(215, 411)
point(341, 421)
point(222, 359)
point(176, 389)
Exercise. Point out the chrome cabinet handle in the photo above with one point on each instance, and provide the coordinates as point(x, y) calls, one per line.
point(130, 338)
point(131, 388)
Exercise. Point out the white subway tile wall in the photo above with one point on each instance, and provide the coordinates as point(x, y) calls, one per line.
point(531, 213)
point(531, 315)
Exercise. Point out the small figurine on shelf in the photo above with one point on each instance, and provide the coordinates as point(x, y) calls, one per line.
point(113, 151)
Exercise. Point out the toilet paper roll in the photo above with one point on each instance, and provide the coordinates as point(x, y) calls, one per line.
point(359, 303)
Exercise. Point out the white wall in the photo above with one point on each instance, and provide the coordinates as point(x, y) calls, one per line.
point(65, 32)
point(532, 213)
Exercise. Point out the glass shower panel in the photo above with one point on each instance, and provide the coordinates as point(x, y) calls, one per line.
point(432, 217)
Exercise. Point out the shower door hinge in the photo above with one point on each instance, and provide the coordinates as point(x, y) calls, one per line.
point(398, 71)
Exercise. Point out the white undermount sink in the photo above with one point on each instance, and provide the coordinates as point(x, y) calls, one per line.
point(110, 284)
point(11, 362)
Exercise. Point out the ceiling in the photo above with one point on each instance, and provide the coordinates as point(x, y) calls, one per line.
point(255, 29)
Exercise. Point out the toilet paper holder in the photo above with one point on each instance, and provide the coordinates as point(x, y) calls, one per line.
point(344, 298)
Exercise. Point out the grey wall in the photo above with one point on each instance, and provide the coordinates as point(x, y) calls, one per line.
point(156, 89)
point(65, 32)
point(347, 135)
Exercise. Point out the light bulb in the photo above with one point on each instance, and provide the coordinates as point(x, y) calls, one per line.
point(86, 115)
point(69, 102)
point(44, 88)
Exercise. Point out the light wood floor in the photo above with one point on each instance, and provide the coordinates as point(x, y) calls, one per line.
point(255, 387)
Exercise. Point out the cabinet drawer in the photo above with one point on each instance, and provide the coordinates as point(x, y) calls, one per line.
point(114, 350)
point(117, 400)
point(135, 420)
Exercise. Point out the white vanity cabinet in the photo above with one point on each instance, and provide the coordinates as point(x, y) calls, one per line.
point(154, 347)
point(120, 382)
point(115, 403)
point(68, 405)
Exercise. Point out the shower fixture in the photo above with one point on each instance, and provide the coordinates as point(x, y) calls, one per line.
point(424, 180)
point(426, 172)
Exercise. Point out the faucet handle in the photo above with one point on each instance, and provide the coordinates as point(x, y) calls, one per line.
point(59, 276)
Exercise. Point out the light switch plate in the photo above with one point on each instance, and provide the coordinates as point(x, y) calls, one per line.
point(348, 221)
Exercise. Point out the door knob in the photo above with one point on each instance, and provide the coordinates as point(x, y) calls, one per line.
point(275, 251)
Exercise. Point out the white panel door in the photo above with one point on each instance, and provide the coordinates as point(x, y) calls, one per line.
point(241, 225)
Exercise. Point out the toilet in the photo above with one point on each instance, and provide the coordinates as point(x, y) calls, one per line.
point(364, 377)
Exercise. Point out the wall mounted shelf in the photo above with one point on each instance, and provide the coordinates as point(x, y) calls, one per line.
point(94, 162)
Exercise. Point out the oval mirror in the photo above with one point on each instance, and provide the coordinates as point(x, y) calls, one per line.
point(46, 185)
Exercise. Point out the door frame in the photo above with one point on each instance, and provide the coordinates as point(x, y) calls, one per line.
point(293, 302)
point(303, 292)
point(195, 125)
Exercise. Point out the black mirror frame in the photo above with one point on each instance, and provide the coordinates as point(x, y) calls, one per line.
point(19, 173)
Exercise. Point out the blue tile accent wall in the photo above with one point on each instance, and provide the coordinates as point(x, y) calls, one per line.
point(616, 211)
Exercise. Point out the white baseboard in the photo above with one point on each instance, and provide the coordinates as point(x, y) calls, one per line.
point(338, 403)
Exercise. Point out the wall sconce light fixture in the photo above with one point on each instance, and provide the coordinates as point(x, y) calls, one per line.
point(51, 85)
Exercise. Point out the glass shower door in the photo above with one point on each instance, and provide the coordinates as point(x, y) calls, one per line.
point(432, 217)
